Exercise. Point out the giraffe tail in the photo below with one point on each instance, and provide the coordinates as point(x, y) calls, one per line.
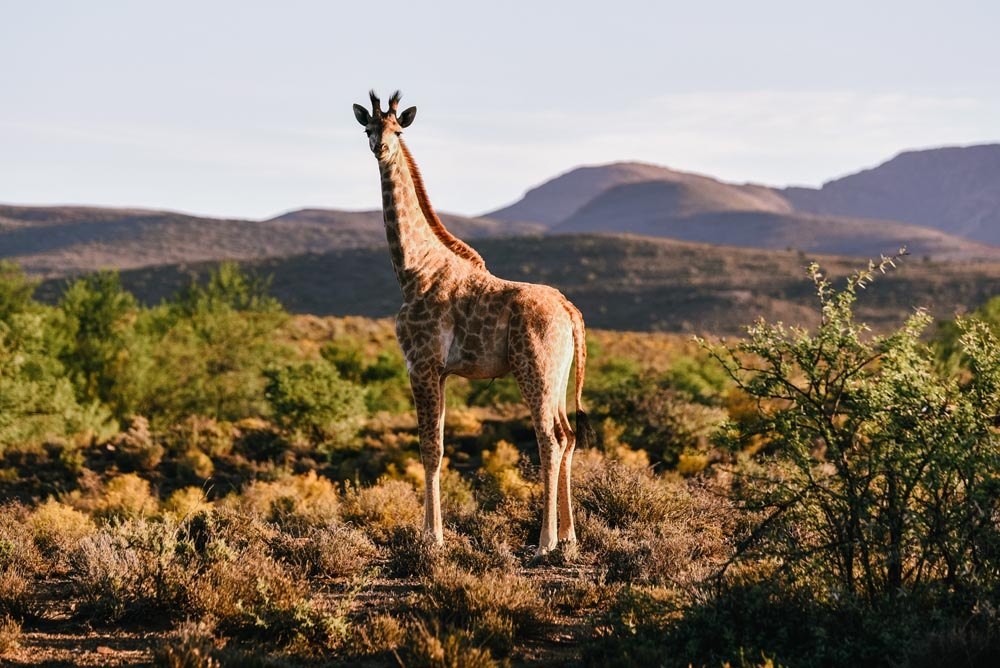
point(584, 432)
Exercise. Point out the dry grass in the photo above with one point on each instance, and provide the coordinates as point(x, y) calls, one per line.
point(10, 635)
point(193, 646)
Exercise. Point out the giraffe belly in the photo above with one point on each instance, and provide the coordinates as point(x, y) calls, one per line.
point(473, 359)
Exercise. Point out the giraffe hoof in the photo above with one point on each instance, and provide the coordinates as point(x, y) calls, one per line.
point(564, 553)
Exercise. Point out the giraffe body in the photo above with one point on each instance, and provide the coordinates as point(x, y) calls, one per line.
point(459, 319)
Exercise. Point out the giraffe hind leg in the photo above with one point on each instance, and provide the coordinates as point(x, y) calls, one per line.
point(567, 528)
point(567, 443)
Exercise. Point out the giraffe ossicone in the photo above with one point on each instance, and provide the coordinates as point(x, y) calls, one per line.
point(459, 319)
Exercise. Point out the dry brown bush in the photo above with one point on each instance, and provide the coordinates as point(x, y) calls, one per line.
point(621, 496)
point(495, 607)
point(457, 495)
point(411, 552)
point(379, 634)
point(193, 464)
point(434, 646)
point(481, 552)
point(501, 475)
point(58, 528)
point(639, 528)
point(306, 500)
point(251, 593)
point(193, 646)
point(129, 569)
point(208, 435)
point(122, 497)
point(331, 551)
point(135, 449)
point(380, 509)
point(20, 562)
point(186, 502)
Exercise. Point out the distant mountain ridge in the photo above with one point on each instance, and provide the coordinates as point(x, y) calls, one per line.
point(60, 241)
point(558, 199)
point(940, 203)
point(943, 203)
point(954, 189)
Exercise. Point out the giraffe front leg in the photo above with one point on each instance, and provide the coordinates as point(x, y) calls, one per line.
point(428, 395)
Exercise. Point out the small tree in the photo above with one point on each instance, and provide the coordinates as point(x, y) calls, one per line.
point(99, 316)
point(16, 290)
point(311, 397)
point(877, 471)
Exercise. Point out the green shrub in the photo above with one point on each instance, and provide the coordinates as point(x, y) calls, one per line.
point(384, 378)
point(660, 419)
point(37, 398)
point(878, 472)
point(16, 290)
point(204, 352)
point(312, 398)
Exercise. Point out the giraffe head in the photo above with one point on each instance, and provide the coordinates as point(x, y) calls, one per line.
point(383, 128)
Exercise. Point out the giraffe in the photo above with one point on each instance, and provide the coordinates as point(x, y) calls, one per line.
point(459, 319)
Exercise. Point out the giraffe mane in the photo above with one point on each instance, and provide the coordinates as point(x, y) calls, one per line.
point(451, 242)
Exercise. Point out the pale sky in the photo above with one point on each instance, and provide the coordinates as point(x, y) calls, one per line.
point(243, 109)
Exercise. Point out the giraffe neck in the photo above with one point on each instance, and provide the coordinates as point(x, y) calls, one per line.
point(423, 253)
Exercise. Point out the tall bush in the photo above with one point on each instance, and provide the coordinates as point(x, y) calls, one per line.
point(37, 397)
point(205, 352)
point(878, 473)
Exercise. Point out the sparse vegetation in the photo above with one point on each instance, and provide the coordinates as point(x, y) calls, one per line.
point(245, 487)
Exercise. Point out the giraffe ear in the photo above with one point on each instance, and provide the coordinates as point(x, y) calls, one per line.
point(407, 117)
point(361, 114)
